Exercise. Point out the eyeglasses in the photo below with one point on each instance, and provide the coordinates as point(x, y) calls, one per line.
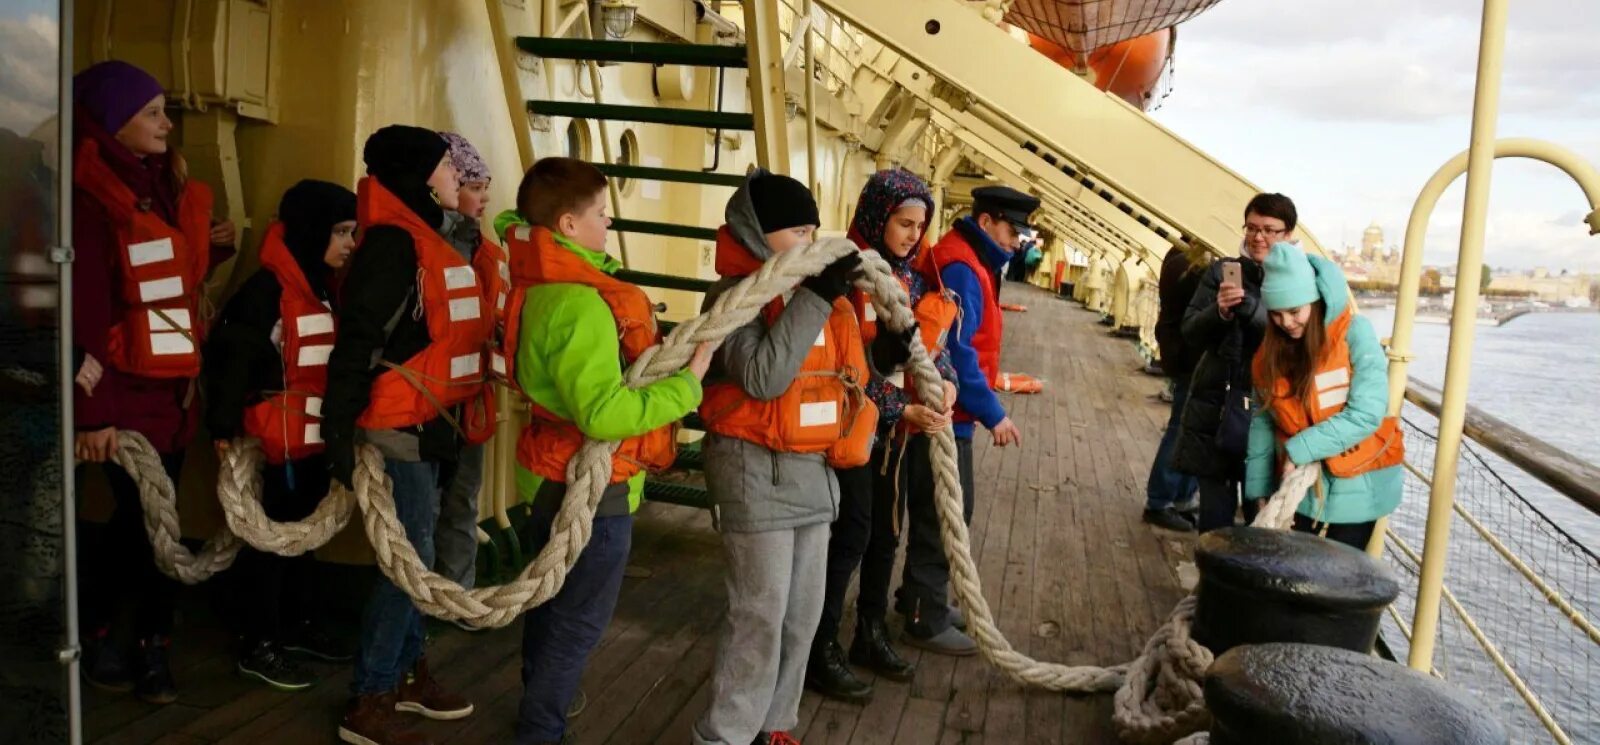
point(1251, 231)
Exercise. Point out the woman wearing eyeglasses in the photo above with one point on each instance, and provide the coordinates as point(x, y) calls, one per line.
point(1224, 325)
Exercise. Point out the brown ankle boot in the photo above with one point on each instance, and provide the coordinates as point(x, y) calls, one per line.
point(371, 720)
point(421, 694)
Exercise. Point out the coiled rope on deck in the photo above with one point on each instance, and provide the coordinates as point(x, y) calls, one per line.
point(1159, 698)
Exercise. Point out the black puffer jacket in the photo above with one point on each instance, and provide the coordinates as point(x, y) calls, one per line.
point(1222, 350)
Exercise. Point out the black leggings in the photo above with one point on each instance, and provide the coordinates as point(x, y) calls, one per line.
point(275, 591)
point(119, 571)
point(1350, 534)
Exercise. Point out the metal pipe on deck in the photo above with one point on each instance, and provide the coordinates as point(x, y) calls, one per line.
point(1452, 415)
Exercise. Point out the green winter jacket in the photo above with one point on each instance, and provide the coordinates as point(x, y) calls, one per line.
point(1358, 499)
point(569, 362)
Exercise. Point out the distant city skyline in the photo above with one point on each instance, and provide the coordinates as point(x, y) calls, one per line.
point(1349, 106)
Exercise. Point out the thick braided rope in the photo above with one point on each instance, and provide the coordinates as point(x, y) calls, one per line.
point(589, 471)
point(239, 493)
point(158, 496)
point(1162, 700)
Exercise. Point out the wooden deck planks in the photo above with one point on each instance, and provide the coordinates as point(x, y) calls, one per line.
point(1069, 569)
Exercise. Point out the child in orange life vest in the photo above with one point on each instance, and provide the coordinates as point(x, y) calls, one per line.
point(785, 409)
point(891, 218)
point(571, 331)
point(145, 240)
point(266, 367)
point(1321, 378)
point(409, 354)
point(456, 539)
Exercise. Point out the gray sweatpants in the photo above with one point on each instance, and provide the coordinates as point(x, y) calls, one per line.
point(775, 588)
point(455, 540)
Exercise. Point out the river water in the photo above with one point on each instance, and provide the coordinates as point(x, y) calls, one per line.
point(1541, 373)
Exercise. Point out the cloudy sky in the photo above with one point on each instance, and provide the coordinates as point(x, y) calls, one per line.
point(27, 63)
point(1348, 106)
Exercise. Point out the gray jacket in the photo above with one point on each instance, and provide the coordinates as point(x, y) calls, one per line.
point(752, 488)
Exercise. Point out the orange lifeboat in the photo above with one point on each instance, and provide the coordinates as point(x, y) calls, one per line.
point(1130, 69)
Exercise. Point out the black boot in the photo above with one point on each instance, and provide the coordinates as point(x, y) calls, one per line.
point(873, 651)
point(154, 683)
point(828, 675)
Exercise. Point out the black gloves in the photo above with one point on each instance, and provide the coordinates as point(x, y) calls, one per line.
point(834, 280)
point(341, 457)
point(891, 350)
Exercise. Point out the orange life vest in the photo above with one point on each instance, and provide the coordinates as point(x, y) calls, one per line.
point(479, 415)
point(549, 442)
point(937, 312)
point(824, 410)
point(161, 267)
point(1330, 389)
point(289, 422)
point(449, 370)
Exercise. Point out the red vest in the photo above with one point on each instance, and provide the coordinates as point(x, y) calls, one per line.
point(824, 410)
point(937, 312)
point(954, 249)
point(1330, 390)
point(161, 268)
point(449, 370)
point(549, 442)
point(289, 422)
point(479, 415)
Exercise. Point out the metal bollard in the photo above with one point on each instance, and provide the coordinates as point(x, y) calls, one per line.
point(1259, 585)
point(1314, 695)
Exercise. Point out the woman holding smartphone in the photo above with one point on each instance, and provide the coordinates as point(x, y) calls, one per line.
point(1224, 325)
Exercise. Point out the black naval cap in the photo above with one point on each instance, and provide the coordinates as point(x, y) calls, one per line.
point(1013, 205)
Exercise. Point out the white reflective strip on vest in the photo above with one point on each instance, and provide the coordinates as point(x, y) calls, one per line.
point(521, 232)
point(870, 313)
point(505, 271)
point(1333, 397)
point(458, 277)
point(160, 289)
point(822, 338)
point(498, 361)
point(314, 407)
point(500, 302)
point(819, 413)
point(313, 433)
point(1331, 378)
point(466, 364)
point(179, 316)
point(898, 379)
point(315, 323)
point(464, 308)
point(150, 252)
point(315, 355)
point(170, 343)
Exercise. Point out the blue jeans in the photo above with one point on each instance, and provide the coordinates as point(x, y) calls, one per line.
point(1167, 486)
point(391, 625)
point(558, 636)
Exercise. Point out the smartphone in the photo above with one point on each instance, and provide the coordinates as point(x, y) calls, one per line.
point(1232, 274)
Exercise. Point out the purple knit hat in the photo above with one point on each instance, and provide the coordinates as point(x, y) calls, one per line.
point(111, 92)
point(468, 163)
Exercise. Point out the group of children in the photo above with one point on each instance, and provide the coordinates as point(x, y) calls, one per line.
point(385, 317)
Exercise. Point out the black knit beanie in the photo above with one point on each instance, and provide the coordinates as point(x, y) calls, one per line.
point(781, 202)
point(402, 158)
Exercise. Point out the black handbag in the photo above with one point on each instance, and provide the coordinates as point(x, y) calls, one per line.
point(1233, 426)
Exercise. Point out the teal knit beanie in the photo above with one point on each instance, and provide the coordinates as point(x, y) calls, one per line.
point(1290, 281)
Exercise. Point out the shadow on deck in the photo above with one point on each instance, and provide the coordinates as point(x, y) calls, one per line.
point(1071, 572)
